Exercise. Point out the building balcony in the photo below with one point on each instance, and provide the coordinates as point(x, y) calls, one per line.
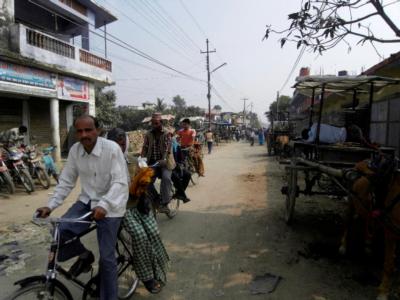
point(59, 55)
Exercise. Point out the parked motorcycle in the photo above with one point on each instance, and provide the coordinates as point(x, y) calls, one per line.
point(5, 177)
point(51, 167)
point(18, 170)
point(36, 168)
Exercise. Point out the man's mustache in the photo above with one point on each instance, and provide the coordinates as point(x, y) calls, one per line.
point(85, 139)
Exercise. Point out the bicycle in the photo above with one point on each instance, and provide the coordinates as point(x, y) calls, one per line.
point(189, 165)
point(48, 287)
point(155, 200)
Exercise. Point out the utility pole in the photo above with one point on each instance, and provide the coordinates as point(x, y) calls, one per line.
point(105, 40)
point(251, 114)
point(208, 82)
point(277, 105)
point(244, 111)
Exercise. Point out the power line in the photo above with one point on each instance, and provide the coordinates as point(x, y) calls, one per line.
point(155, 21)
point(222, 98)
point(293, 67)
point(167, 26)
point(150, 68)
point(148, 31)
point(193, 18)
point(122, 44)
point(204, 34)
point(177, 25)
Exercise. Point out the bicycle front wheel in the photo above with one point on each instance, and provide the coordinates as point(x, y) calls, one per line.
point(26, 180)
point(43, 177)
point(127, 278)
point(38, 291)
point(173, 206)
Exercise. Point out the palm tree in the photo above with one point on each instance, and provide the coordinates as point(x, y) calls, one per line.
point(160, 105)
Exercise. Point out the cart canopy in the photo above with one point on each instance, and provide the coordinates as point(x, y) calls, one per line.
point(342, 84)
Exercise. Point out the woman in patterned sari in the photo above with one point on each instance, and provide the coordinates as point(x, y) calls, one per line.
point(150, 257)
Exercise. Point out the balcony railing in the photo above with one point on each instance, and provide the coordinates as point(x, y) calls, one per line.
point(94, 60)
point(48, 43)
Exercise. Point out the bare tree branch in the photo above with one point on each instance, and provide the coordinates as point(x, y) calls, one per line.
point(322, 24)
point(381, 11)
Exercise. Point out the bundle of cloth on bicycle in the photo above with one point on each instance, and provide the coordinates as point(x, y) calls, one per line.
point(102, 167)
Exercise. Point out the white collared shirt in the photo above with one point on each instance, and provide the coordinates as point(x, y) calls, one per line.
point(103, 177)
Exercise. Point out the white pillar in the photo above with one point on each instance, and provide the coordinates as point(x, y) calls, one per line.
point(55, 128)
point(26, 121)
point(70, 116)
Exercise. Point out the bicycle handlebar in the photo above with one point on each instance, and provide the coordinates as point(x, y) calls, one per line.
point(80, 219)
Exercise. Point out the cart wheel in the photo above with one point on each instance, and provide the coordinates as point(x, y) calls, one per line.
point(291, 195)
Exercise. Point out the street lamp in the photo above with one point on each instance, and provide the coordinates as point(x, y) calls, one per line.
point(224, 64)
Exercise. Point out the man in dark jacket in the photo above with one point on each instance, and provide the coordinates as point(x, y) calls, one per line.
point(157, 148)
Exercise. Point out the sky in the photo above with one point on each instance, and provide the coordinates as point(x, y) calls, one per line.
point(175, 31)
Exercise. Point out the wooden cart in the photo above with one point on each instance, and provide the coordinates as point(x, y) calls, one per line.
point(324, 166)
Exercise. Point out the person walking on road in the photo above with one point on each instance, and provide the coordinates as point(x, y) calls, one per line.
point(157, 148)
point(261, 138)
point(150, 259)
point(252, 137)
point(209, 140)
point(101, 167)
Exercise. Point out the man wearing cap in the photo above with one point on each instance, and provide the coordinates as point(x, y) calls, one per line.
point(157, 148)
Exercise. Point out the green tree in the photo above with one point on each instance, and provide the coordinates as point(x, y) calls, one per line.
point(194, 111)
point(131, 118)
point(254, 122)
point(179, 104)
point(106, 110)
point(322, 24)
point(217, 107)
point(274, 113)
point(160, 105)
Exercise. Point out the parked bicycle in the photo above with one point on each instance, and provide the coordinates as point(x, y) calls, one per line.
point(48, 287)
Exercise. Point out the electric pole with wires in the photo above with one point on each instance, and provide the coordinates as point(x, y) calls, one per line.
point(244, 111)
point(208, 82)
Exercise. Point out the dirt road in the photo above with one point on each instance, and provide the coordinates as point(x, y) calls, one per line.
point(233, 230)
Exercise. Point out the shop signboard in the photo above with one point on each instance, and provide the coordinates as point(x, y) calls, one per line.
point(10, 72)
point(72, 89)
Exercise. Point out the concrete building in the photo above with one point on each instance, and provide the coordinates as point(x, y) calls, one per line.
point(44, 76)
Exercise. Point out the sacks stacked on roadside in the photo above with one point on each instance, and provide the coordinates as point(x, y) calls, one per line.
point(136, 139)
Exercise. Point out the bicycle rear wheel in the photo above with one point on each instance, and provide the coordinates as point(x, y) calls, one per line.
point(37, 291)
point(127, 278)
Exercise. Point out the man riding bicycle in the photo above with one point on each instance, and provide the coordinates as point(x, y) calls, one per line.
point(101, 167)
point(186, 138)
point(157, 148)
point(186, 134)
